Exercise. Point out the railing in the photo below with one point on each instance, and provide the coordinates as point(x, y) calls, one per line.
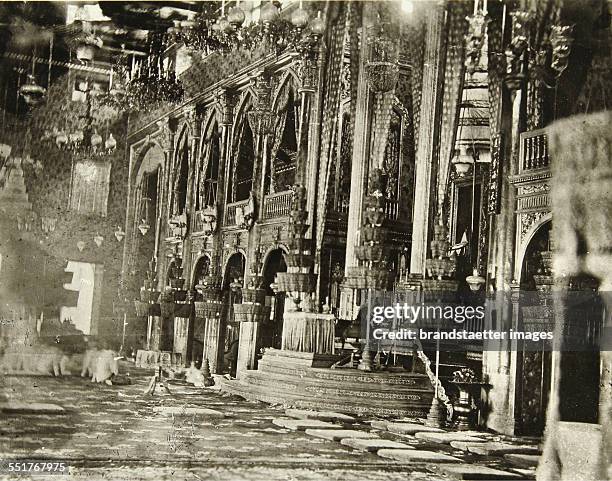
point(391, 209)
point(435, 381)
point(533, 150)
point(230, 211)
point(277, 205)
point(342, 204)
point(199, 223)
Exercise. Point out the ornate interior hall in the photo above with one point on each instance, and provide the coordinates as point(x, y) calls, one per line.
point(299, 239)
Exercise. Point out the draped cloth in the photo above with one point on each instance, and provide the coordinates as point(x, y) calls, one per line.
point(234, 159)
point(383, 104)
point(454, 74)
point(279, 129)
point(308, 332)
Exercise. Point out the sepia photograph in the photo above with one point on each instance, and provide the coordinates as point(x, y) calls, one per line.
point(301, 240)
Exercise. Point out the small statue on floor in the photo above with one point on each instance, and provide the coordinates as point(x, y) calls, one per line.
point(194, 376)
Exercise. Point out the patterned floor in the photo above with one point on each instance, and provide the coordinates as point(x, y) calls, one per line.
point(112, 432)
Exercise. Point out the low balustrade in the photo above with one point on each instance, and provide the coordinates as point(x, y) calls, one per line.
point(391, 209)
point(533, 150)
point(277, 205)
point(230, 211)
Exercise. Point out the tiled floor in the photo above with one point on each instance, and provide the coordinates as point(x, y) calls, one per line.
point(112, 432)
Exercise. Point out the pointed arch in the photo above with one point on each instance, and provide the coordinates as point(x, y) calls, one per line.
point(180, 171)
point(244, 153)
point(280, 171)
point(289, 79)
point(207, 174)
point(201, 267)
point(529, 235)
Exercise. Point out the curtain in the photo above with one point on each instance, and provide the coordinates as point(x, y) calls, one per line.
point(234, 159)
point(308, 335)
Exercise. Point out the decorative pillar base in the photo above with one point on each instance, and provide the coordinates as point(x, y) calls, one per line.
point(436, 418)
point(181, 328)
point(308, 332)
point(247, 347)
point(212, 342)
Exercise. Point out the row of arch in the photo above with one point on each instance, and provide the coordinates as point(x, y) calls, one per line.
point(243, 151)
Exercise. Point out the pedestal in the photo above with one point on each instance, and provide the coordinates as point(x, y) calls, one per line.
point(154, 340)
point(181, 329)
point(308, 332)
point(247, 347)
point(212, 344)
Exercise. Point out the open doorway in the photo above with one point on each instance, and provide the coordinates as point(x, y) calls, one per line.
point(201, 270)
point(233, 280)
point(272, 331)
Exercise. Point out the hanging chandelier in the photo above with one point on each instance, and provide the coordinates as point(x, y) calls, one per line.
point(86, 141)
point(154, 82)
point(86, 44)
point(229, 32)
point(382, 68)
point(144, 83)
point(31, 92)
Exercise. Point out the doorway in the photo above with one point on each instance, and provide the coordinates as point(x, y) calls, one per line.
point(272, 331)
point(233, 280)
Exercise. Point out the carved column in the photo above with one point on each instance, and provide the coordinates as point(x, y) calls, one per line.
point(251, 312)
point(309, 63)
point(130, 227)
point(261, 121)
point(359, 168)
point(359, 163)
point(195, 120)
point(227, 101)
point(429, 135)
point(501, 365)
point(167, 139)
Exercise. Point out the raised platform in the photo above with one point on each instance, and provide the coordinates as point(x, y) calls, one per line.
point(305, 380)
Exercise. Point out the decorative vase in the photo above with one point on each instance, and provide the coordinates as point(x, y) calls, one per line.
point(464, 411)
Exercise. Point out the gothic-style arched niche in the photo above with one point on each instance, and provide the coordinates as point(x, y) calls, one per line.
point(232, 278)
point(281, 170)
point(272, 331)
point(243, 163)
point(342, 166)
point(393, 154)
point(209, 174)
point(181, 179)
point(201, 270)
